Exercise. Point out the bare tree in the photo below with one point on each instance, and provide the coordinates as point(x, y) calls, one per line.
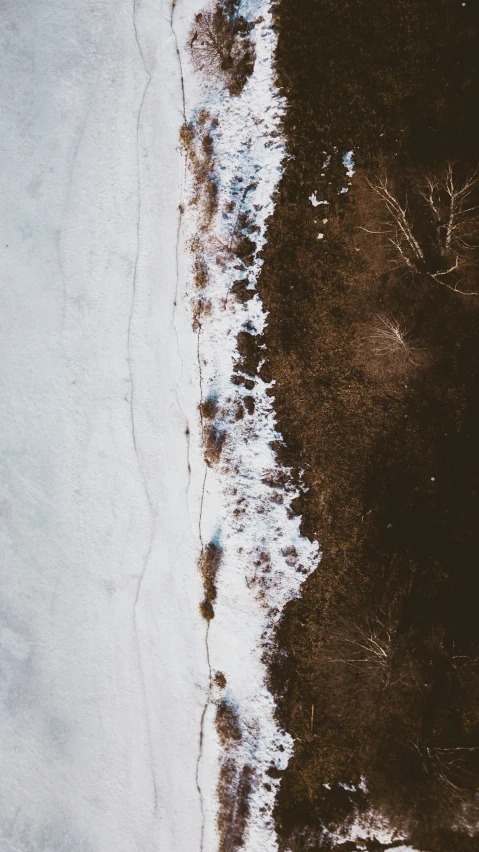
point(451, 767)
point(451, 216)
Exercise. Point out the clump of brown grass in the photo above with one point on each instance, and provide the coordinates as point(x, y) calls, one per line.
point(210, 562)
point(198, 143)
point(234, 790)
point(213, 442)
point(200, 308)
point(220, 44)
point(227, 724)
point(200, 271)
point(220, 680)
point(209, 408)
point(206, 609)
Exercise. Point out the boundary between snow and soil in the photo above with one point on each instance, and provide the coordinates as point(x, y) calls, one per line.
point(247, 496)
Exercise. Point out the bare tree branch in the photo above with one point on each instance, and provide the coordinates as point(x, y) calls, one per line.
point(453, 218)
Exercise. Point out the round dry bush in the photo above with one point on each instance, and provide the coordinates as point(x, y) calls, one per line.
point(386, 349)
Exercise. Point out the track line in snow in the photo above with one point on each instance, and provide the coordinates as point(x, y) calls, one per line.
point(133, 426)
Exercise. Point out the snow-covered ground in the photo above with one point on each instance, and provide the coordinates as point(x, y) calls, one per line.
point(102, 652)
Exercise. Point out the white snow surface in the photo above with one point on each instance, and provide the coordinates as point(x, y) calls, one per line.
point(265, 558)
point(314, 200)
point(348, 163)
point(102, 652)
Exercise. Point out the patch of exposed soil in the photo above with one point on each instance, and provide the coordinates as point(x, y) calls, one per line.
point(377, 674)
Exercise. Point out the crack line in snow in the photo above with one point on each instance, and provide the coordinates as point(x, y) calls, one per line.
point(180, 218)
point(200, 532)
point(178, 347)
point(133, 428)
point(178, 54)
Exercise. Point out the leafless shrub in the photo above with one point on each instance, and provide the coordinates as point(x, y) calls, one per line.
point(220, 44)
point(370, 647)
point(385, 347)
point(449, 214)
point(234, 789)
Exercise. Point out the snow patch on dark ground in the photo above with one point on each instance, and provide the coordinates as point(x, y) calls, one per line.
point(265, 558)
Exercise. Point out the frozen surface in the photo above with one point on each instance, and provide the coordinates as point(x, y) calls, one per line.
point(102, 654)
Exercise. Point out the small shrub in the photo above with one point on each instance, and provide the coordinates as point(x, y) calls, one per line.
point(386, 348)
point(213, 442)
point(206, 609)
point(209, 408)
point(220, 44)
point(227, 724)
point(220, 680)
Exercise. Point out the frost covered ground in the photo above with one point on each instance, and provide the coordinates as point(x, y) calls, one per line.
point(102, 656)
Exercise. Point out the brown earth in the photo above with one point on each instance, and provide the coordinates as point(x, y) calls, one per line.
point(376, 674)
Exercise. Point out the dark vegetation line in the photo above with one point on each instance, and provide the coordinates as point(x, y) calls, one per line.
point(376, 365)
point(220, 48)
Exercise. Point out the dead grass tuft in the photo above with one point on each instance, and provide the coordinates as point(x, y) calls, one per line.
point(200, 308)
point(210, 562)
point(234, 790)
point(209, 408)
point(206, 609)
point(227, 724)
point(198, 143)
point(220, 680)
point(213, 442)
